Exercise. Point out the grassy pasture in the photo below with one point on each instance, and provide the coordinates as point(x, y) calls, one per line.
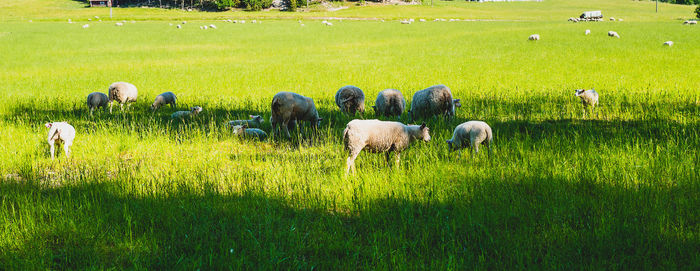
point(619, 189)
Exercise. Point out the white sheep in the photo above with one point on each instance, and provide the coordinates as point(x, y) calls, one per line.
point(380, 136)
point(289, 107)
point(433, 101)
point(179, 26)
point(690, 22)
point(668, 43)
point(64, 133)
point(534, 37)
point(421, 20)
point(255, 121)
point(405, 22)
point(163, 99)
point(212, 26)
point(245, 132)
point(96, 100)
point(86, 25)
point(612, 19)
point(389, 103)
point(350, 100)
point(471, 134)
point(118, 24)
point(183, 115)
point(184, 22)
point(588, 31)
point(329, 24)
point(613, 34)
point(589, 98)
point(123, 93)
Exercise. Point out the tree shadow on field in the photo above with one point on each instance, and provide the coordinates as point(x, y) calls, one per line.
point(527, 223)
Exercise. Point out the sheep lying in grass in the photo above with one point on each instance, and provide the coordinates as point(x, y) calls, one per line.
point(534, 37)
point(613, 34)
point(432, 101)
point(588, 31)
point(589, 98)
point(123, 93)
point(64, 133)
point(389, 103)
point(471, 134)
point(289, 107)
point(245, 132)
point(380, 136)
point(163, 99)
point(254, 121)
point(668, 43)
point(690, 22)
point(183, 115)
point(350, 100)
point(96, 100)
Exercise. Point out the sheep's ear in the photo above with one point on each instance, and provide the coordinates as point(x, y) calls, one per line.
point(422, 126)
point(48, 125)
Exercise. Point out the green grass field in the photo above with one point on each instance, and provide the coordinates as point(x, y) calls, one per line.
point(619, 189)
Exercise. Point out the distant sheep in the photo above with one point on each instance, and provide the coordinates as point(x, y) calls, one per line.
point(63, 133)
point(255, 121)
point(350, 100)
point(389, 103)
point(589, 98)
point(183, 115)
point(433, 101)
point(96, 100)
point(179, 26)
point(612, 19)
point(289, 107)
point(163, 99)
point(123, 93)
point(245, 132)
point(405, 22)
point(212, 26)
point(471, 134)
point(86, 25)
point(421, 20)
point(119, 24)
point(380, 136)
point(613, 34)
point(534, 37)
point(690, 22)
point(668, 43)
point(588, 31)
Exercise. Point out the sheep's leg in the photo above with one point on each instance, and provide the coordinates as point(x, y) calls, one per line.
point(110, 106)
point(51, 149)
point(398, 158)
point(285, 128)
point(91, 110)
point(66, 148)
point(121, 107)
point(351, 162)
point(488, 148)
point(387, 155)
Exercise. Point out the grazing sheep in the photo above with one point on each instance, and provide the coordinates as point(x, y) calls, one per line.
point(119, 24)
point(64, 133)
point(380, 136)
point(289, 107)
point(123, 93)
point(405, 22)
point(212, 26)
point(471, 134)
point(534, 37)
point(179, 26)
point(690, 22)
point(182, 115)
point(96, 100)
point(254, 121)
point(612, 19)
point(432, 101)
point(350, 100)
point(421, 20)
point(620, 19)
point(184, 22)
point(613, 34)
point(86, 25)
point(163, 99)
point(245, 132)
point(588, 98)
point(668, 43)
point(588, 31)
point(389, 103)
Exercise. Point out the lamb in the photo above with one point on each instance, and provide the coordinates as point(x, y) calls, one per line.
point(588, 31)
point(380, 136)
point(163, 99)
point(668, 43)
point(432, 101)
point(350, 100)
point(471, 134)
point(96, 100)
point(182, 115)
point(613, 34)
point(64, 133)
point(588, 98)
point(289, 107)
point(534, 37)
point(254, 121)
point(389, 103)
point(123, 93)
point(245, 132)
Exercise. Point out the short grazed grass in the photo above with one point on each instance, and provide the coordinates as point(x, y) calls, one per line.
point(617, 189)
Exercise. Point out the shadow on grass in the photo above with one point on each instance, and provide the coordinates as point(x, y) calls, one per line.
point(521, 224)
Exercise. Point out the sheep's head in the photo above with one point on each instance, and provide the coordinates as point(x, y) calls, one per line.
point(257, 118)
point(449, 145)
point(195, 110)
point(579, 92)
point(457, 103)
point(154, 107)
point(238, 129)
point(424, 132)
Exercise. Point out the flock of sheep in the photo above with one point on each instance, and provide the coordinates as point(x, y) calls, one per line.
point(288, 108)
